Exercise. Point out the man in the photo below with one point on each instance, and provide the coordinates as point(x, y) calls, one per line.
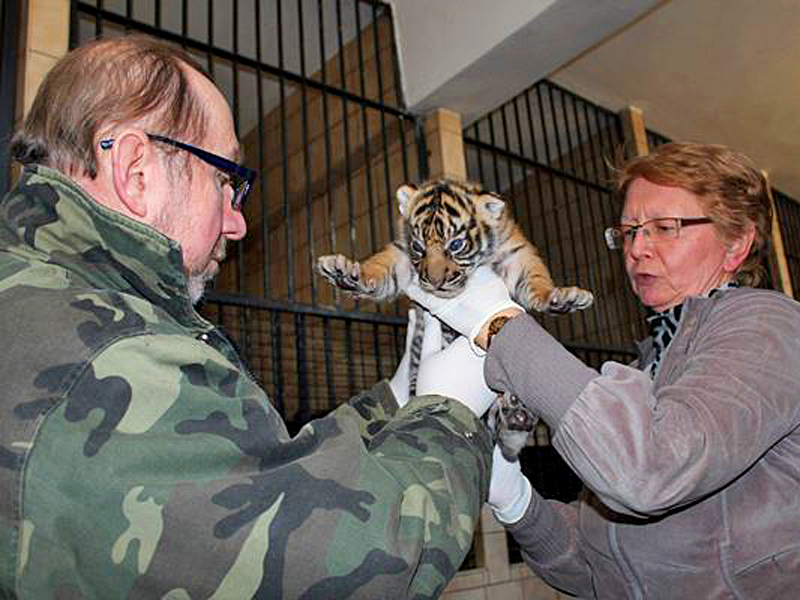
point(137, 457)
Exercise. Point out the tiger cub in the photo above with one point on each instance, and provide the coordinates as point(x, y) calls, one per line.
point(447, 229)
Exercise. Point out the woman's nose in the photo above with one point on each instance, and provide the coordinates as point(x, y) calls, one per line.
point(640, 243)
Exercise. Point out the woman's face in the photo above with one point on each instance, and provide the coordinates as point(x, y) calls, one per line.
point(665, 272)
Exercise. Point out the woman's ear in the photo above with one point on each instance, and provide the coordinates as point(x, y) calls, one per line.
point(738, 250)
point(132, 174)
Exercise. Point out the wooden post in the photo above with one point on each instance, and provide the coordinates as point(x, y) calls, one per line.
point(634, 131)
point(443, 136)
point(778, 254)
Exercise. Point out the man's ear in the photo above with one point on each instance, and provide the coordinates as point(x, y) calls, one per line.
point(737, 252)
point(132, 165)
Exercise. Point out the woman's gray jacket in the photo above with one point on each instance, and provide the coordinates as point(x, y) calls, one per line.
point(693, 479)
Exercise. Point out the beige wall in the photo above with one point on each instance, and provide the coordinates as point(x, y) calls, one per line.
point(45, 40)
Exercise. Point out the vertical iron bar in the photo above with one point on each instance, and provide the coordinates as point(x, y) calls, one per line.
point(351, 229)
point(422, 150)
point(240, 270)
point(384, 137)
point(240, 275)
point(350, 354)
point(330, 179)
point(262, 186)
point(551, 176)
point(548, 246)
point(479, 152)
point(277, 363)
point(570, 217)
point(330, 380)
point(128, 15)
point(398, 84)
point(401, 128)
point(376, 341)
point(594, 223)
point(495, 167)
point(615, 293)
point(74, 26)
point(373, 228)
point(526, 190)
point(303, 404)
point(210, 31)
point(287, 217)
point(565, 198)
point(306, 143)
point(98, 20)
point(509, 161)
point(185, 21)
point(9, 43)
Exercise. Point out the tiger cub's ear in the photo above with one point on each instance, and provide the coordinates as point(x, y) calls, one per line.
point(491, 206)
point(404, 195)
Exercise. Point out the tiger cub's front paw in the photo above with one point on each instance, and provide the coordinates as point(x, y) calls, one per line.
point(569, 299)
point(346, 274)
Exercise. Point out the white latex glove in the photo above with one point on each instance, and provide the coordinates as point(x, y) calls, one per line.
point(431, 342)
point(456, 372)
point(510, 492)
point(484, 295)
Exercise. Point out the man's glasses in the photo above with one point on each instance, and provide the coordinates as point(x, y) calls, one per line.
point(654, 230)
point(240, 178)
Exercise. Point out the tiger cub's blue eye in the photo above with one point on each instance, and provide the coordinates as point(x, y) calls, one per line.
point(455, 245)
point(417, 246)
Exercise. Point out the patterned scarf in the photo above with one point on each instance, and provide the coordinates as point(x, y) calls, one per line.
point(664, 325)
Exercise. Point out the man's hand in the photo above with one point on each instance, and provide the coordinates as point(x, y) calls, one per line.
point(484, 296)
point(431, 343)
point(456, 372)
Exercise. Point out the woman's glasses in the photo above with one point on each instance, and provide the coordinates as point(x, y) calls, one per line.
point(654, 230)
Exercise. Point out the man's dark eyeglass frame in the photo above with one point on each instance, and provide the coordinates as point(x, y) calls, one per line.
point(241, 178)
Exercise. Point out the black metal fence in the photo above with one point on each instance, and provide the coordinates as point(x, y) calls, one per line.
point(549, 153)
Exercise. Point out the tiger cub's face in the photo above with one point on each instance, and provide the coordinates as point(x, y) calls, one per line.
point(449, 229)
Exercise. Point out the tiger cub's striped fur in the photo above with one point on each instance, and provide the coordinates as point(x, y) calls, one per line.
point(447, 229)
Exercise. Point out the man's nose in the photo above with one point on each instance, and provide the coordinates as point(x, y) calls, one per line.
point(234, 226)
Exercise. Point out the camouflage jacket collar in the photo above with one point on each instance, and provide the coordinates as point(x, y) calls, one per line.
point(48, 217)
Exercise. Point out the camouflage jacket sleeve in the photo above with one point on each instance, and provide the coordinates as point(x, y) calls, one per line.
point(165, 473)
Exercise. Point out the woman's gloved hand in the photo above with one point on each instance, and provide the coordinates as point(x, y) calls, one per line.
point(484, 295)
point(510, 492)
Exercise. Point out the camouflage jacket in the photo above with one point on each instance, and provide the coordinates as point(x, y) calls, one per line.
point(138, 458)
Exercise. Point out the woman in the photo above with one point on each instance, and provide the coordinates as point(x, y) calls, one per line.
point(690, 457)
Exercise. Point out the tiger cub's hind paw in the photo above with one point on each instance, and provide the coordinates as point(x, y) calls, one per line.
point(511, 422)
point(345, 274)
point(569, 299)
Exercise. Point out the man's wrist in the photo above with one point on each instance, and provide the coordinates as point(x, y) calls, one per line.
point(493, 325)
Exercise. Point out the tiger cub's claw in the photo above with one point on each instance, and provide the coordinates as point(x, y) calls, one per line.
point(569, 299)
point(345, 274)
